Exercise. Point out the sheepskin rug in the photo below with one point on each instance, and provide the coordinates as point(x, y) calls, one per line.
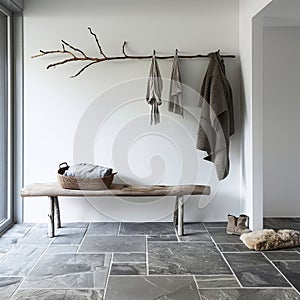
point(269, 239)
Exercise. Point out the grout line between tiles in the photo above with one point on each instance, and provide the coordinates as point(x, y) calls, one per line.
point(208, 227)
point(129, 262)
point(280, 272)
point(224, 258)
point(83, 238)
point(176, 233)
point(103, 252)
point(119, 228)
point(198, 291)
point(108, 275)
point(42, 254)
point(159, 275)
point(284, 260)
point(12, 276)
point(147, 258)
point(233, 252)
point(248, 288)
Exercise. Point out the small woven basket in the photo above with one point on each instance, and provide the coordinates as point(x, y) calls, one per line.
point(75, 183)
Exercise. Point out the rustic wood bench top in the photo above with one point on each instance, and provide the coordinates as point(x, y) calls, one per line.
point(53, 191)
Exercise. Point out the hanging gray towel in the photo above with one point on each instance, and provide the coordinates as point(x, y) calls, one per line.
point(216, 123)
point(154, 88)
point(175, 95)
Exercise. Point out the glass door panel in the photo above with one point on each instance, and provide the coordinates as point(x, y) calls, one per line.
point(5, 97)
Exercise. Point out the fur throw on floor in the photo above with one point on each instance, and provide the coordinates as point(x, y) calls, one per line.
point(269, 239)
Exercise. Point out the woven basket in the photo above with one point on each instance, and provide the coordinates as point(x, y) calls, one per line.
point(75, 183)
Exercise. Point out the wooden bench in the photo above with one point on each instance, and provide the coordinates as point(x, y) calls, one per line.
point(53, 191)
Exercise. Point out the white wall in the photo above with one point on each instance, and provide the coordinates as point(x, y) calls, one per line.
point(281, 124)
point(101, 116)
point(251, 145)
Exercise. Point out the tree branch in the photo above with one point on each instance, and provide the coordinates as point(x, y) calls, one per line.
point(42, 53)
point(64, 62)
point(97, 41)
point(73, 48)
point(82, 69)
point(123, 49)
point(94, 60)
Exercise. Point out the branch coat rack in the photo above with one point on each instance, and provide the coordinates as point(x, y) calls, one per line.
point(76, 54)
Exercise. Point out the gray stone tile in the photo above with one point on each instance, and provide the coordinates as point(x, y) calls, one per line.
point(284, 250)
point(220, 230)
point(185, 258)
point(7, 243)
point(281, 255)
point(149, 228)
point(161, 238)
point(151, 287)
point(196, 236)
point(55, 294)
point(75, 225)
point(220, 236)
point(103, 228)
point(193, 227)
point(216, 281)
point(113, 244)
point(129, 257)
point(8, 285)
point(249, 294)
point(37, 236)
point(20, 260)
point(62, 249)
point(71, 236)
point(41, 225)
point(234, 248)
point(128, 269)
point(291, 270)
point(66, 271)
point(19, 229)
point(281, 223)
point(215, 224)
point(194, 232)
point(254, 270)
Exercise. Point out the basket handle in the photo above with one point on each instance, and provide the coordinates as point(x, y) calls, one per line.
point(63, 165)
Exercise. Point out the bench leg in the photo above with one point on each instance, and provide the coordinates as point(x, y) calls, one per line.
point(180, 215)
point(57, 212)
point(51, 232)
point(175, 218)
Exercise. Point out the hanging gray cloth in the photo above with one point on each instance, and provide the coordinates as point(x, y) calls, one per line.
point(216, 123)
point(175, 95)
point(154, 88)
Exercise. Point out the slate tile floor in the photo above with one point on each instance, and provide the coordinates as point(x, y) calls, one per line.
point(137, 261)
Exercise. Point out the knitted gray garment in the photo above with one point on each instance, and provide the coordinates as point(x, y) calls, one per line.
point(175, 94)
point(86, 170)
point(154, 88)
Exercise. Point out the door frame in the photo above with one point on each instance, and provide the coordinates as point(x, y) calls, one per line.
point(10, 121)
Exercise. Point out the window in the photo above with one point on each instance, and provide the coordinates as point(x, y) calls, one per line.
point(5, 119)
